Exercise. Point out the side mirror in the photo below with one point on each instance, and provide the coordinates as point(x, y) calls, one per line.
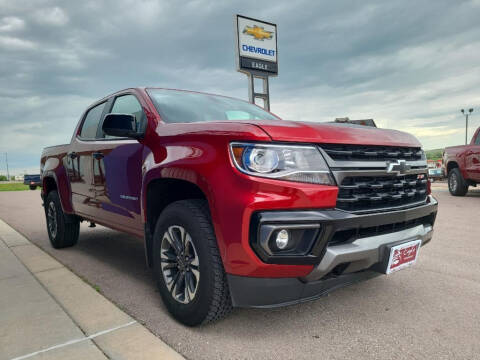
point(121, 125)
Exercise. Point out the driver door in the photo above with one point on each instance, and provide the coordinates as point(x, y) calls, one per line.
point(117, 172)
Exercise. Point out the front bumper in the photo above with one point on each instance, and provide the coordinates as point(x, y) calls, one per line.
point(337, 264)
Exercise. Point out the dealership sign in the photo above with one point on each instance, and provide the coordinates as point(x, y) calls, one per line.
point(256, 46)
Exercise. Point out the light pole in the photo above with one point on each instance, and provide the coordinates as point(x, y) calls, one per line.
point(6, 160)
point(466, 122)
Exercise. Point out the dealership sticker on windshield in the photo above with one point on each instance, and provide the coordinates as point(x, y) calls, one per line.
point(403, 255)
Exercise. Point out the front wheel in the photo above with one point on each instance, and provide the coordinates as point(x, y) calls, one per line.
point(187, 264)
point(63, 230)
point(456, 183)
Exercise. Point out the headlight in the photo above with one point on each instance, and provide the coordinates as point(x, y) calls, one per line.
point(283, 162)
point(423, 155)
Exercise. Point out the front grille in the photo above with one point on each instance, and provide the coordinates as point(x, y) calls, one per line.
point(348, 235)
point(363, 193)
point(368, 183)
point(345, 152)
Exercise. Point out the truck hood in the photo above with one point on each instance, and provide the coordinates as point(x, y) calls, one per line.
point(456, 149)
point(334, 133)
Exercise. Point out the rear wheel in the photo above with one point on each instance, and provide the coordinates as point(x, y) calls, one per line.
point(32, 187)
point(187, 264)
point(456, 183)
point(63, 229)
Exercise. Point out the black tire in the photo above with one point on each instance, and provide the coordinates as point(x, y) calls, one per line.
point(211, 300)
point(65, 230)
point(456, 183)
point(33, 187)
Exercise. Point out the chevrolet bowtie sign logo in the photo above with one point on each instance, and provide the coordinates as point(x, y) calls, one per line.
point(399, 167)
point(258, 32)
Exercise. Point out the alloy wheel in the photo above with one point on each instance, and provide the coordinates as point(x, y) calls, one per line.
point(179, 264)
point(453, 182)
point(52, 219)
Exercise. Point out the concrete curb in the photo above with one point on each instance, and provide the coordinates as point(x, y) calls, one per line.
point(103, 324)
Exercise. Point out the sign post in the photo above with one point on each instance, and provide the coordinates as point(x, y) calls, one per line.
point(256, 54)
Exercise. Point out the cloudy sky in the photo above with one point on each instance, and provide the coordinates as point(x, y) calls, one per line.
point(410, 65)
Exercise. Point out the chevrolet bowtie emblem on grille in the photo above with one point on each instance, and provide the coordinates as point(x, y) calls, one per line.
point(258, 32)
point(400, 167)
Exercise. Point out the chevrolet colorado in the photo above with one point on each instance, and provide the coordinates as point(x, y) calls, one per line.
point(236, 207)
point(461, 165)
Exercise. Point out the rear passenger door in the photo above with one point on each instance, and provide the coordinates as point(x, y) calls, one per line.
point(117, 171)
point(472, 159)
point(78, 161)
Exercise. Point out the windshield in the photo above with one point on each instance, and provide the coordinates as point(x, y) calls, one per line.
point(175, 106)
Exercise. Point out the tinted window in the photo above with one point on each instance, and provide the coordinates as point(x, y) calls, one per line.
point(183, 107)
point(128, 104)
point(477, 140)
point(90, 124)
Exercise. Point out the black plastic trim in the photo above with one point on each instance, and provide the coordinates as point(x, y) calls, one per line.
point(330, 221)
point(252, 292)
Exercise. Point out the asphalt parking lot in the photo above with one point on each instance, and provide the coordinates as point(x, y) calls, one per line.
point(430, 311)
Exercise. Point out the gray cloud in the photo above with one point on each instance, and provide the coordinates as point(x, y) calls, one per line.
point(409, 65)
point(11, 23)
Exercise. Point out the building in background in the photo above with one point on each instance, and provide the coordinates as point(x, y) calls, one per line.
point(365, 122)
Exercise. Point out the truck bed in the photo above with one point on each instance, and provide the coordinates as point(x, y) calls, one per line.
point(55, 151)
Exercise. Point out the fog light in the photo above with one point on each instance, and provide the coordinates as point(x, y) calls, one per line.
point(282, 239)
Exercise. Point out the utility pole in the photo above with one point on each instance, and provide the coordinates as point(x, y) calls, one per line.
point(6, 160)
point(466, 122)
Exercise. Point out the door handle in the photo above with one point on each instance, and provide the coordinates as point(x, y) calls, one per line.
point(72, 155)
point(97, 155)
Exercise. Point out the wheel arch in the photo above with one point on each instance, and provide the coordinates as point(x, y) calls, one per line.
point(48, 184)
point(158, 194)
point(57, 179)
point(451, 165)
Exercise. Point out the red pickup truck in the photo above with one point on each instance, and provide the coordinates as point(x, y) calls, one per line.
point(235, 206)
point(462, 165)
